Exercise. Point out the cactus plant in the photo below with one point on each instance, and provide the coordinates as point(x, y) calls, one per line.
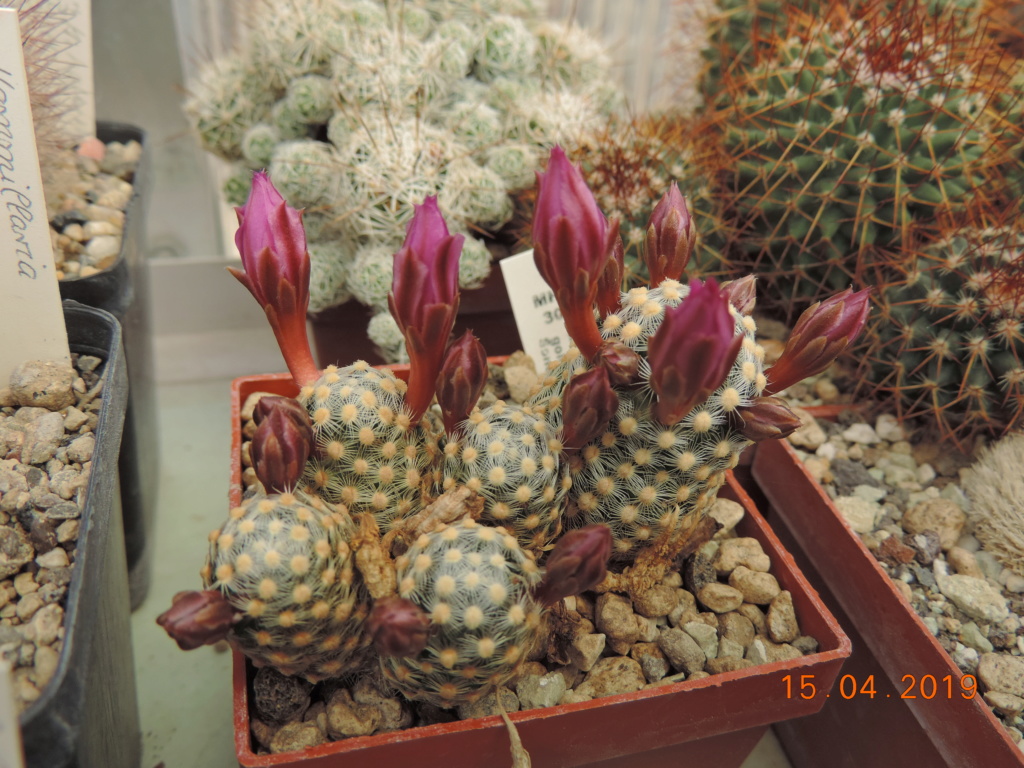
point(363, 108)
point(947, 342)
point(851, 132)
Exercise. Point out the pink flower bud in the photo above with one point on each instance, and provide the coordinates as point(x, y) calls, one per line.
point(692, 351)
point(282, 443)
point(578, 562)
point(570, 247)
point(198, 618)
point(609, 284)
point(621, 362)
point(670, 237)
point(588, 404)
point(461, 381)
point(767, 418)
point(741, 294)
point(424, 299)
point(272, 243)
point(398, 627)
point(820, 335)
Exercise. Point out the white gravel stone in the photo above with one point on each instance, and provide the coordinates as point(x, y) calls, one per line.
point(863, 434)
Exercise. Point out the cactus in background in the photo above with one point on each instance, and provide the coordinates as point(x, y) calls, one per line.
point(947, 342)
point(850, 133)
point(363, 108)
point(284, 562)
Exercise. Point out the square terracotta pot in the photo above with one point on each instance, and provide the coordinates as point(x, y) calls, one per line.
point(906, 721)
point(716, 721)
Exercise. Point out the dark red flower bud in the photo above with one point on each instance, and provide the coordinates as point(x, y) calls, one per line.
point(820, 335)
point(461, 381)
point(198, 618)
point(609, 283)
point(670, 237)
point(767, 418)
point(282, 444)
point(588, 404)
point(741, 294)
point(692, 351)
point(577, 563)
point(621, 362)
point(398, 627)
point(272, 243)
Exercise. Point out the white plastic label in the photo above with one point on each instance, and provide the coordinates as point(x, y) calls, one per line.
point(30, 310)
point(536, 312)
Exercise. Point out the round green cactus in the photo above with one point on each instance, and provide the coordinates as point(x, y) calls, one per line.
point(369, 456)
point(474, 582)
point(284, 561)
point(511, 459)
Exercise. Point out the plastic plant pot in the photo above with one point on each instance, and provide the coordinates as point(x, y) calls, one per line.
point(906, 719)
point(123, 291)
point(87, 717)
point(718, 720)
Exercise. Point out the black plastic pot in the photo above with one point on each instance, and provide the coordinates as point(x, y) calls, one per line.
point(122, 291)
point(87, 717)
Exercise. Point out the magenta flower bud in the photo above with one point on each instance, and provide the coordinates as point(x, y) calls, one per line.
point(588, 404)
point(282, 443)
point(820, 335)
point(424, 299)
point(571, 247)
point(398, 627)
point(692, 351)
point(461, 381)
point(578, 562)
point(621, 362)
point(272, 242)
point(198, 618)
point(741, 294)
point(670, 236)
point(767, 418)
point(609, 284)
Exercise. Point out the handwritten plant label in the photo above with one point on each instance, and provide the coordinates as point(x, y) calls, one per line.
point(536, 312)
point(31, 317)
point(10, 732)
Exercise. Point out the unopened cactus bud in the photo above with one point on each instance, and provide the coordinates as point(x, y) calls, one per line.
point(767, 418)
point(670, 237)
point(198, 618)
point(398, 627)
point(461, 381)
point(282, 444)
point(609, 283)
point(741, 294)
point(577, 563)
point(621, 362)
point(588, 405)
point(820, 335)
point(692, 351)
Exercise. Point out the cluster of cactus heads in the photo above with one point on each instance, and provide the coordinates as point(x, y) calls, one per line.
point(852, 129)
point(947, 341)
point(442, 535)
point(362, 108)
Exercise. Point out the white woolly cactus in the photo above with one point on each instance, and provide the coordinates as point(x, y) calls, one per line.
point(285, 563)
point(329, 265)
point(383, 331)
point(474, 582)
point(512, 459)
point(365, 108)
point(368, 456)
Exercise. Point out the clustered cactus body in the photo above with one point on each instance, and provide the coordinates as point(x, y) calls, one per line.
point(948, 342)
point(362, 108)
point(431, 526)
point(854, 131)
point(475, 582)
point(285, 563)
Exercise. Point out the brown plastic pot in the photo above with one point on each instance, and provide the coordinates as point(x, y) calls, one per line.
point(890, 642)
point(339, 333)
point(716, 721)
